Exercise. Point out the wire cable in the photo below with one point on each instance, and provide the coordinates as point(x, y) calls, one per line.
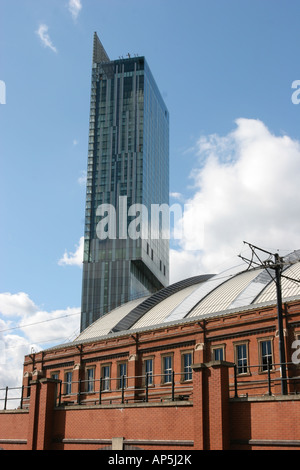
point(19, 327)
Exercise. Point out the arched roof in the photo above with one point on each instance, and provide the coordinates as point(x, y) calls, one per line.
point(235, 289)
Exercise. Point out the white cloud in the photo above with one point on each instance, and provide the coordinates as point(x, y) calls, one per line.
point(183, 264)
point(82, 178)
point(42, 32)
point(75, 258)
point(246, 187)
point(176, 195)
point(54, 326)
point(18, 312)
point(16, 304)
point(11, 365)
point(24, 326)
point(74, 8)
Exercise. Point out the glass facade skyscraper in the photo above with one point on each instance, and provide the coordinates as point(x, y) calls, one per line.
point(127, 173)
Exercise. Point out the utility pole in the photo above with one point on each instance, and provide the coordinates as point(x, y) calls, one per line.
point(276, 264)
point(282, 359)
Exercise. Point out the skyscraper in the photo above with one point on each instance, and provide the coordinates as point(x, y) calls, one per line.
point(128, 166)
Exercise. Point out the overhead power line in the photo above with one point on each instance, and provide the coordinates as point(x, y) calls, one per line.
point(18, 327)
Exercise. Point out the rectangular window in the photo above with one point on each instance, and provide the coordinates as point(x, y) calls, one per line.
point(122, 374)
point(90, 377)
point(218, 353)
point(148, 369)
point(105, 374)
point(187, 366)
point(241, 358)
point(68, 382)
point(167, 369)
point(265, 354)
point(55, 376)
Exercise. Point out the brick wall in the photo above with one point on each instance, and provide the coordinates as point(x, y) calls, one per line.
point(141, 425)
point(268, 423)
point(207, 420)
point(210, 421)
point(13, 429)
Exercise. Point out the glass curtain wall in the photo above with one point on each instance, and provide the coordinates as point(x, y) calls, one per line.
point(128, 160)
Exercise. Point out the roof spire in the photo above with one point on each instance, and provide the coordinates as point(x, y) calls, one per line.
point(99, 54)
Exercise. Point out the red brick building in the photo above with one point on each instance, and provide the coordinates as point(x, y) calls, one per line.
point(194, 366)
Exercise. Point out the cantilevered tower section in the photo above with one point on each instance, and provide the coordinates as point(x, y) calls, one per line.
point(128, 168)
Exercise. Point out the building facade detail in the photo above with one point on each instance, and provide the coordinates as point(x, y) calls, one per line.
point(214, 379)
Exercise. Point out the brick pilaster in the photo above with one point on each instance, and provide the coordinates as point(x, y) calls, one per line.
point(211, 405)
point(218, 392)
point(45, 417)
point(198, 406)
point(42, 399)
point(33, 415)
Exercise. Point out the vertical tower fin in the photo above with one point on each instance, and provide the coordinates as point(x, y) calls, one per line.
point(99, 53)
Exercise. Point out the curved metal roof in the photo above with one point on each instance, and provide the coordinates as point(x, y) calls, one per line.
point(103, 326)
point(129, 320)
point(235, 289)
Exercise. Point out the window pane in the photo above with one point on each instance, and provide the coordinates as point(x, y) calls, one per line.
point(187, 366)
point(122, 375)
point(149, 370)
point(266, 354)
point(242, 358)
point(68, 382)
point(218, 354)
point(105, 377)
point(90, 378)
point(167, 364)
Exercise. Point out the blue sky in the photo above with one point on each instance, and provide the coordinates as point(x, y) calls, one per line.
point(225, 70)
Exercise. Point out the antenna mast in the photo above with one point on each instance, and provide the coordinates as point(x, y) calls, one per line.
point(273, 262)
